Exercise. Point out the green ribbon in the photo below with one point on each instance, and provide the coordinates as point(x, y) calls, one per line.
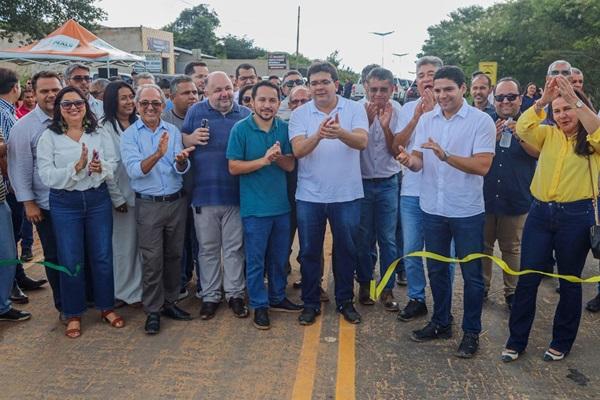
point(47, 264)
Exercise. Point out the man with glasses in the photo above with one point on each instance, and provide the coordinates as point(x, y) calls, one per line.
point(291, 80)
point(506, 187)
point(154, 158)
point(560, 67)
point(78, 76)
point(245, 75)
point(327, 135)
point(379, 207)
point(216, 197)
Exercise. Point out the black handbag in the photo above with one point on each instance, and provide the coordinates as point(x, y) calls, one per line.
point(594, 229)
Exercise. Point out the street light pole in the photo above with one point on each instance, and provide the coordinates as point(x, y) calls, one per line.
point(382, 35)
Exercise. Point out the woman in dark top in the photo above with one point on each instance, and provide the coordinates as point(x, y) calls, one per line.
point(529, 96)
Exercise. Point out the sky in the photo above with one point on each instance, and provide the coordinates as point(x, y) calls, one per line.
point(325, 26)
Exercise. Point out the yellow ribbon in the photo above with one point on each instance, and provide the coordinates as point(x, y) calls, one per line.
point(376, 289)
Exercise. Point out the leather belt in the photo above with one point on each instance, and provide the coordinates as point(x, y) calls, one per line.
point(160, 199)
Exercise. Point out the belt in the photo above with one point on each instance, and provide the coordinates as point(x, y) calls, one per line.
point(160, 199)
point(375, 180)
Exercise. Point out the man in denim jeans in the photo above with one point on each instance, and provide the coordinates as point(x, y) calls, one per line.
point(379, 207)
point(410, 210)
point(260, 152)
point(454, 146)
point(327, 135)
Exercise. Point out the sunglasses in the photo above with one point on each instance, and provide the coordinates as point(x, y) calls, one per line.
point(79, 104)
point(154, 104)
point(564, 72)
point(299, 101)
point(246, 99)
point(510, 97)
point(292, 83)
point(81, 78)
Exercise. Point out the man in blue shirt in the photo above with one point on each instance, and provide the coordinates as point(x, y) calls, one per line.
point(216, 197)
point(506, 187)
point(260, 152)
point(152, 153)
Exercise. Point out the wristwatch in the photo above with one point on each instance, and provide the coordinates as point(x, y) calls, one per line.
point(579, 104)
point(446, 155)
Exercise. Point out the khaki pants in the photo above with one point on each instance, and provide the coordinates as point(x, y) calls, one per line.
point(507, 230)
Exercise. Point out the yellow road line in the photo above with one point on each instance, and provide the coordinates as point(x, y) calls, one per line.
point(307, 362)
point(346, 367)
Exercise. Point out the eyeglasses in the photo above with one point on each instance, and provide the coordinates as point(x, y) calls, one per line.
point(292, 83)
point(298, 101)
point(246, 99)
point(81, 78)
point(324, 82)
point(79, 104)
point(154, 104)
point(564, 72)
point(510, 97)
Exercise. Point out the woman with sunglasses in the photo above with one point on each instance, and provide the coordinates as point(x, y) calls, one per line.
point(119, 114)
point(245, 97)
point(565, 189)
point(75, 161)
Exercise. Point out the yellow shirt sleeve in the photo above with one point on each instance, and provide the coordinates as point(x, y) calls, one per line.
point(530, 130)
point(594, 140)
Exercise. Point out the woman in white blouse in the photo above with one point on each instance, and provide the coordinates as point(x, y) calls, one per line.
point(119, 113)
point(75, 161)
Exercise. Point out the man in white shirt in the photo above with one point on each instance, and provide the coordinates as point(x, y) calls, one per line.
point(78, 76)
point(327, 135)
point(454, 147)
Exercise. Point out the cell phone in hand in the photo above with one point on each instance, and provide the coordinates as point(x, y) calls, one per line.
point(204, 123)
point(95, 157)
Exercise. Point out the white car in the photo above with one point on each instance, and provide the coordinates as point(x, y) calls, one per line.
point(400, 85)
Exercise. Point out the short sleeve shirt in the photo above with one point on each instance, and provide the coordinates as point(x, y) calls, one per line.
point(263, 193)
point(331, 172)
point(446, 191)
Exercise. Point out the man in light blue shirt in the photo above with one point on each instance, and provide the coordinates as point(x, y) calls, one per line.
point(153, 155)
point(23, 171)
point(327, 135)
point(454, 146)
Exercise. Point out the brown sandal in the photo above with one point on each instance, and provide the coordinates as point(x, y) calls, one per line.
point(117, 322)
point(73, 333)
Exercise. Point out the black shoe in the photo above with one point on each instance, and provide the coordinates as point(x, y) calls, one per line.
point(152, 323)
point(468, 346)
point(432, 331)
point(349, 312)
point(387, 299)
point(401, 277)
point(261, 318)
point(308, 316)
point(15, 315)
point(286, 306)
point(208, 310)
point(176, 313)
point(238, 307)
point(26, 254)
point(17, 296)
point(364, 294)
point(414, 309)
point(594, 304)
point(31, 284)
point(297, 284)
point(509, 300)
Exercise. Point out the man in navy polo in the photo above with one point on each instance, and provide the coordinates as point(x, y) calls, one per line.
point(216, 197)
point(506, 187)
point(260, 152)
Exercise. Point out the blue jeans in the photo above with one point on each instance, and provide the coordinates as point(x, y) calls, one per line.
point(563, 228)
point(8, 251)
point(82, 223)
point(344, 218)
point(399, 227)
point(378, 221)
point(467, 233)
point(266, 242)
point(414, 240)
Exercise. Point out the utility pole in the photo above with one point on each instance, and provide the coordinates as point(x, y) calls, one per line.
point(298, 40)
point(382, 35)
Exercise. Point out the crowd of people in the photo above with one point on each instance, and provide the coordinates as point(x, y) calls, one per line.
point(136, 189)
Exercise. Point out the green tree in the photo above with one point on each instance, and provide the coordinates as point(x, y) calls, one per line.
point(36, 18)
point(344, 72)
point(195, 29)
point(237, 48)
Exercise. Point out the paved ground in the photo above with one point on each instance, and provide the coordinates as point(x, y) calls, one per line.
point(226, 358)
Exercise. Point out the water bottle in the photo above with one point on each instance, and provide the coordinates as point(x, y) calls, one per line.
point(506, 135)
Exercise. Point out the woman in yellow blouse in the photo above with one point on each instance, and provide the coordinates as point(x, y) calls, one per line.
point(559, 221)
